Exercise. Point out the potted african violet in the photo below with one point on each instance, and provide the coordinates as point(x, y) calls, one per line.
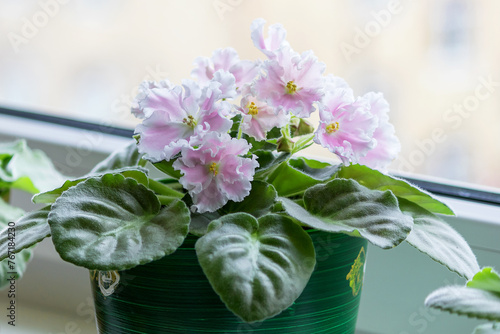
point(241, 233)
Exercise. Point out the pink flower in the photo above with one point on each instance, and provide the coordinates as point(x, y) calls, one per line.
point(146, 88)
point(214, 171)
point(293, 82)
point(259, 118)
point(174, 115)
point(387, 145)
point(275, 41)
point(226, 60)
point(346, 125)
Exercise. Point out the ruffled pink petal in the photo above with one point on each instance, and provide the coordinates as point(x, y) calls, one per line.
point(165, 100)
point(143, 91)
point(213, 172)
point(224, 59)
point(228, 84)
point(387, 143)
point(157, 132)
point(245, 71)
point(354, 136)
point(203, 69)
point(258, 125)
point(275, 40)
point(209, 199)
point(288, 66)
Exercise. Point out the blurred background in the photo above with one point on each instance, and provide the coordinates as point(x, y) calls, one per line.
point(435, 61)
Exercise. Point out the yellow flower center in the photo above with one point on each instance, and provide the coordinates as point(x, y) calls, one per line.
point(213, 168)
point(332, 127)
point(189, 121)
point(252, 109)
point(291, 87)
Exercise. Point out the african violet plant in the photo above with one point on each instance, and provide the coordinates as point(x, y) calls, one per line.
point(227, 144)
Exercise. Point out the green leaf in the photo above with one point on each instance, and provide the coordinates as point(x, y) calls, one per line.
point(257, 267)
point(316, 169)
point(114, 223)
point(487, 329)
point(127, 156)
point(474, 303)
point(374, 179)
point(304, 175)
point(440, 241)
point(20, 261)
point(344, 206)
point(269, 160)
point(258, 203)
point(27, 231)
point(487, 279)
point(167, 168)
point(137, 173)
point(26, 169)
point(200, 221)
point(302, 142)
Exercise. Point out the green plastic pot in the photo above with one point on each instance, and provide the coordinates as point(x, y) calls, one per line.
point(172, 295)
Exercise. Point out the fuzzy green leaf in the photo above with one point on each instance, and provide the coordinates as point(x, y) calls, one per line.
point(257, 267)
point(258, 203)
point(127, 156)
point(114, 223)
point(137, 173)
point(487, 329)
point(474, 303)
point(434, 237)
point(28, 230)
point(305, 173)
point(15, 267)
point(344, 206)
point(374, 179)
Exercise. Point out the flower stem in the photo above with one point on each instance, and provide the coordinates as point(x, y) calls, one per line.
point(240, 131)
point(163, 189)
point(166, 200)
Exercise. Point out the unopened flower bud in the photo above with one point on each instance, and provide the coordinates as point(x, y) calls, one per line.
point(285, 145)
point(299, 127)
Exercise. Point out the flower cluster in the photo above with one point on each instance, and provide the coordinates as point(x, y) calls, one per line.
point(190, 125)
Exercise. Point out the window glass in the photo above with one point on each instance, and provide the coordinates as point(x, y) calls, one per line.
point(435, 61)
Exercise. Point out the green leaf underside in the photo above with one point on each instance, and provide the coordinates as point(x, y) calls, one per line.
point(127, 156)
point(21, 261)
point(487, 329)
point(487, 279)
point(474, 303)
point(30, 229)
point(257, 267)
point(441, 242)
point(114, 223)
point(258, 203)
point(344, 206)
point(137, 173)
point(294, 176)
point(374, 179)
